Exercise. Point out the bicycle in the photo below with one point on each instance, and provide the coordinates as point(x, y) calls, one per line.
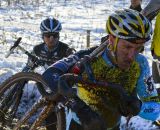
point(9, 105)
point(56, 102)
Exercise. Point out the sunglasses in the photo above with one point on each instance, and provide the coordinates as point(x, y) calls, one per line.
point(48, 35)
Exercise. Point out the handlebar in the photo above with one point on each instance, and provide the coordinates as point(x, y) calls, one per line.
point(37, 60)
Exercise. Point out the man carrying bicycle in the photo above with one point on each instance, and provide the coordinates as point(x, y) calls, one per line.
point(51, 49)
point(99, 108)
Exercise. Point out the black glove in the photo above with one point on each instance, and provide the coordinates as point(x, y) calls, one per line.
point(32, 63)
point(157, 123)
point(131, 105)
point(65, 89)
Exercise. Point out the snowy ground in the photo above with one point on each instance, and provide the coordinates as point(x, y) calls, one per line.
point(76, 16)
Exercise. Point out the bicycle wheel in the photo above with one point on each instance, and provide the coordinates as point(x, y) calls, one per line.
point(14, 102)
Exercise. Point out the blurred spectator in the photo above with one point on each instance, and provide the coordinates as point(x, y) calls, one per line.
point(136, 5)
point(155, 51)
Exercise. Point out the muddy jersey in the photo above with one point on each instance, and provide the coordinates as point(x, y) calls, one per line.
point(102, 99)
point(137, 78)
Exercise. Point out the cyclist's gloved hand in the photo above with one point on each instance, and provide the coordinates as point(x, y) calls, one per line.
point(131, 105)
point(64, 87)
point(157, 123)
point(41, 62)
point(70, 51)
point(79, 66)
point(31, 62)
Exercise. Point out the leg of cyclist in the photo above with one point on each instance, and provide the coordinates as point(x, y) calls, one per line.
point(51, 123)
point(89, 119)
point(75, 126)
point(117, 127)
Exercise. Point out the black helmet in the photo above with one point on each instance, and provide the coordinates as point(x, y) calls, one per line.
point(50, 25)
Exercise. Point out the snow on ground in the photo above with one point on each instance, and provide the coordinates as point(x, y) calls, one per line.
point(76, 16)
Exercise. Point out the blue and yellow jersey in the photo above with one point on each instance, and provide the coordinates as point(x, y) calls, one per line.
point(103, 100)
point(137, 78)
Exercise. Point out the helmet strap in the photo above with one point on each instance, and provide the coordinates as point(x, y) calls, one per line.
point(112, 49)
point(115, 45)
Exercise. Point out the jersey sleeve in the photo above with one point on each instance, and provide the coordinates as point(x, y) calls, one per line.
point(66, 63)
point(52, 74)
point(147, 92)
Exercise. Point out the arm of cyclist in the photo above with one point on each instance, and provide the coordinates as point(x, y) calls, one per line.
point(38, 57)
point(52, 74)
point(147, 93)
point(30, 65)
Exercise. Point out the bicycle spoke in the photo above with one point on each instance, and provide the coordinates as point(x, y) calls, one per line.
point(42, 116)
point(33, 109)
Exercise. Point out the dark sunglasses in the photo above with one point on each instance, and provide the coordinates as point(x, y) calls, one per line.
point(48, 35)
